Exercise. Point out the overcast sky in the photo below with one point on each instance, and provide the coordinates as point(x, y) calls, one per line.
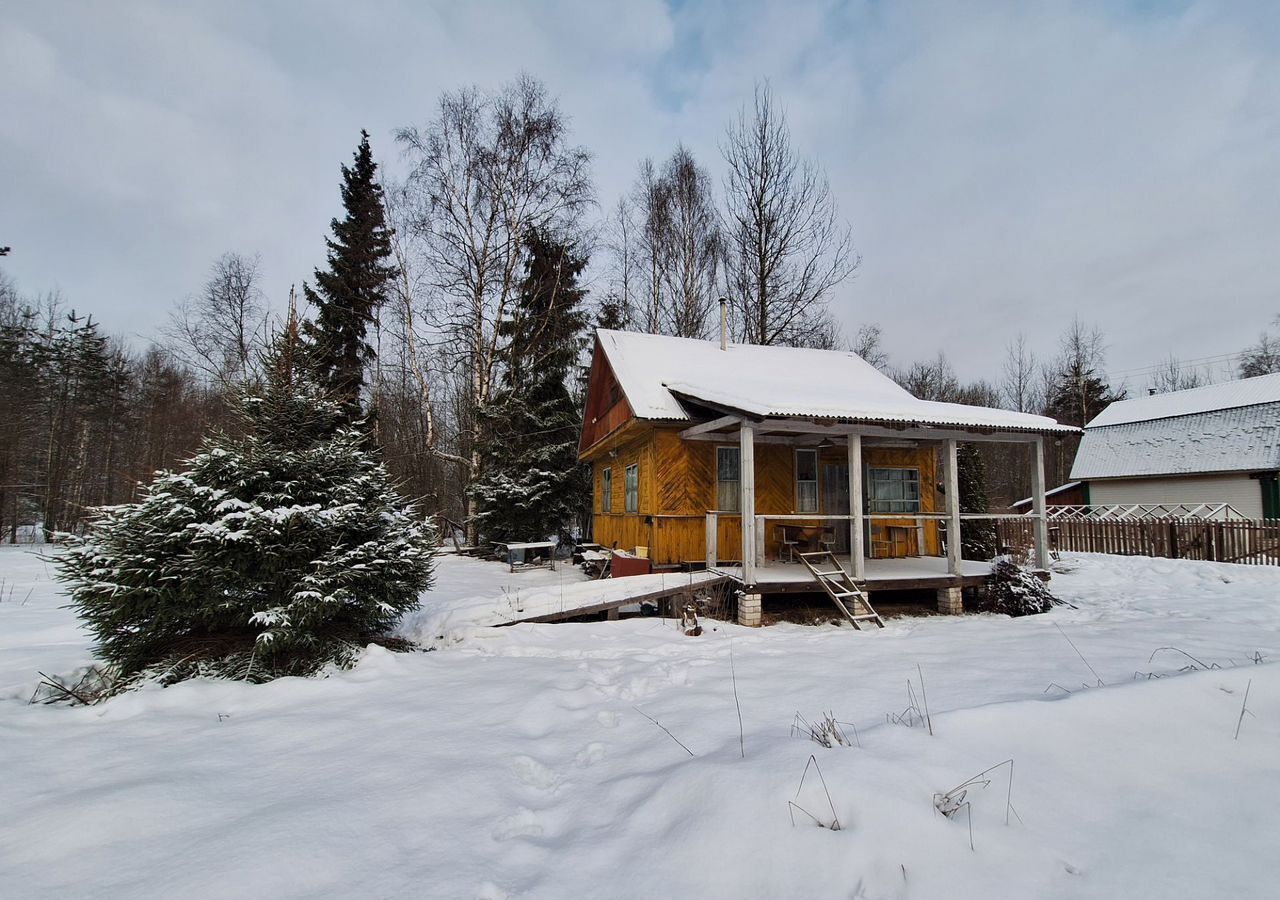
point(1004, 166)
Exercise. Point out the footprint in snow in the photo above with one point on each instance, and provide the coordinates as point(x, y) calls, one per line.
point(607, 718)
point(490, 891)
point(535, 774)
point(522, 823)
point(591, 754)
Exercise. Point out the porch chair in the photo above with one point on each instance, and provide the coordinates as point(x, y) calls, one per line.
point(788, 538)
point(828, 540)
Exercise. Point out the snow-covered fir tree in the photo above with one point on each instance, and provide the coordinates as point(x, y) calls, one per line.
point(531, 483)
point(274, 553)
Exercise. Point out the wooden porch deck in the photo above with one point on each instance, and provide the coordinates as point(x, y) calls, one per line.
point(911, 573)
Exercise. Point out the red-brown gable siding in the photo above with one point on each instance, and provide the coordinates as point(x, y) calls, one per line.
point(607, 409)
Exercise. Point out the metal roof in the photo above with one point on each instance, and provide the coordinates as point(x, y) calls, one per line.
point(1227, 395)
point(657, 372)
point(1241, 439)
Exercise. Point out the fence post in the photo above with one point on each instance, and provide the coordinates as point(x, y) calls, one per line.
point(1173, 541)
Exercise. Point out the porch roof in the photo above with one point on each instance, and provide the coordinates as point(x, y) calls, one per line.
point(661, 376)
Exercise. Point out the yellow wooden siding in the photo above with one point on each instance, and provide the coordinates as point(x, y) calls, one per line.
point(677, 482)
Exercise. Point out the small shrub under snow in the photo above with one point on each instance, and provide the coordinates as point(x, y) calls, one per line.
point(1014, 591)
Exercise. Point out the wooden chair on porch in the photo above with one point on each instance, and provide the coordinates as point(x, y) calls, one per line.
point(789, 538)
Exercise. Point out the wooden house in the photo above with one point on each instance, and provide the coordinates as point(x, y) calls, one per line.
point(734, 456)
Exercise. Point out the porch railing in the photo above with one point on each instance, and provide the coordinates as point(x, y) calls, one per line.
point(761, 557)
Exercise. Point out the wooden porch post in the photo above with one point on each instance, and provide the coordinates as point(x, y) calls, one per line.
point(747, 501)
point(1037, 503)
point(952, 497)
point(713, 534)
point(856, 550)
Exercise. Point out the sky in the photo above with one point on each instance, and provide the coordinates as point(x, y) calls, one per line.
point(1005, 167)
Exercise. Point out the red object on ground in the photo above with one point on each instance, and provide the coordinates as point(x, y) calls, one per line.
point(625, 564)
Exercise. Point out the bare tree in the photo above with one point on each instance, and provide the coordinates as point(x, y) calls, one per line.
point(1174, 376)
point(931, 379)
point(622, 245)
point(692, 255)
point(651, 208)
point(1020, 389)
point(220, 331)
point(868, 343)
point(485, 172)
point(1263, 358)
point(786, 248)
point(673, 250)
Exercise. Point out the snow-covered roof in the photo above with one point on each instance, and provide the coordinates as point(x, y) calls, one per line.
point(1228, 395)
point(1026, 501)
point(1238, 439)
point(657, 372)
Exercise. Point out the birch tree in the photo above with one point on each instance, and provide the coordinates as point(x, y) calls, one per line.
point(486, 171)
point(786, 248)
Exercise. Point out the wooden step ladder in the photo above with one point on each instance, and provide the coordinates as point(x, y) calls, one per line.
point(840, 587)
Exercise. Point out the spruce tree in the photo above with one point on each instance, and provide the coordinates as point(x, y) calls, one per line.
point(349, 293)
point(270, 554)
point(531, 484)
point(977, 536)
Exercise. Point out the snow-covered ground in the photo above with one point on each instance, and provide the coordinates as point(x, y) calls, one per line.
point(520, 761)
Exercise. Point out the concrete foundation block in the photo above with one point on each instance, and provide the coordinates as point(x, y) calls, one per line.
point(951, 601)
point(750, 607)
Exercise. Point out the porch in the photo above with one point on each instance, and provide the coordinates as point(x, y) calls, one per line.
point(885, 538)
point(911, 573)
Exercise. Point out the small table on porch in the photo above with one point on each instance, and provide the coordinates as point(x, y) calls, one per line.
point(511, 548)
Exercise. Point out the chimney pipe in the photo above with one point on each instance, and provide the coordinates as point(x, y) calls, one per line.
point(724, 323)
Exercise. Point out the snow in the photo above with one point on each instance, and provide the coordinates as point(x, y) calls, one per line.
point(1211, 397)
point(1243, 439)
point(780, 381)
point(516, 762)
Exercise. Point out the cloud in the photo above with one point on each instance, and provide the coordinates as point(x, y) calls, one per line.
point(1004, 166)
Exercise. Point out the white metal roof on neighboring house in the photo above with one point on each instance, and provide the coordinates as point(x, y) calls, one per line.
point(655, 372)
point(1228, 395)
point(1238, 439)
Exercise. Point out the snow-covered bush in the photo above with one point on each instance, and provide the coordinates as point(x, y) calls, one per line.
point(272, 554)
point(1014, 591)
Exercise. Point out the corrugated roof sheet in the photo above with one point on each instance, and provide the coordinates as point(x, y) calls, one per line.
point(1242, 439)
point(1228, 395)
point(781, 382)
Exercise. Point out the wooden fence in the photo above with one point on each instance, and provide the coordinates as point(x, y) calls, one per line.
point(1253, 541)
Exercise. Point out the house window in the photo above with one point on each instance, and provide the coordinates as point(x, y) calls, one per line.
point(806, 481)
point(893, 490)
point(606, 490)
point(728, 479)
point(633, 488)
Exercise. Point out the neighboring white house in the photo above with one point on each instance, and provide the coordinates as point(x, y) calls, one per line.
point(1215, 444)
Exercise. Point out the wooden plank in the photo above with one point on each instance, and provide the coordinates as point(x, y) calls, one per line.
point(625, 601)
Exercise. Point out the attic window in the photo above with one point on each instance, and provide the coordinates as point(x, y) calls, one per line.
point(615, 394)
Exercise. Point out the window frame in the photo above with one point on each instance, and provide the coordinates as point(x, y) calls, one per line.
point(736, 493)
point(815, 481)
point(631, 488)
point(606, 489)
point(893, 506)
